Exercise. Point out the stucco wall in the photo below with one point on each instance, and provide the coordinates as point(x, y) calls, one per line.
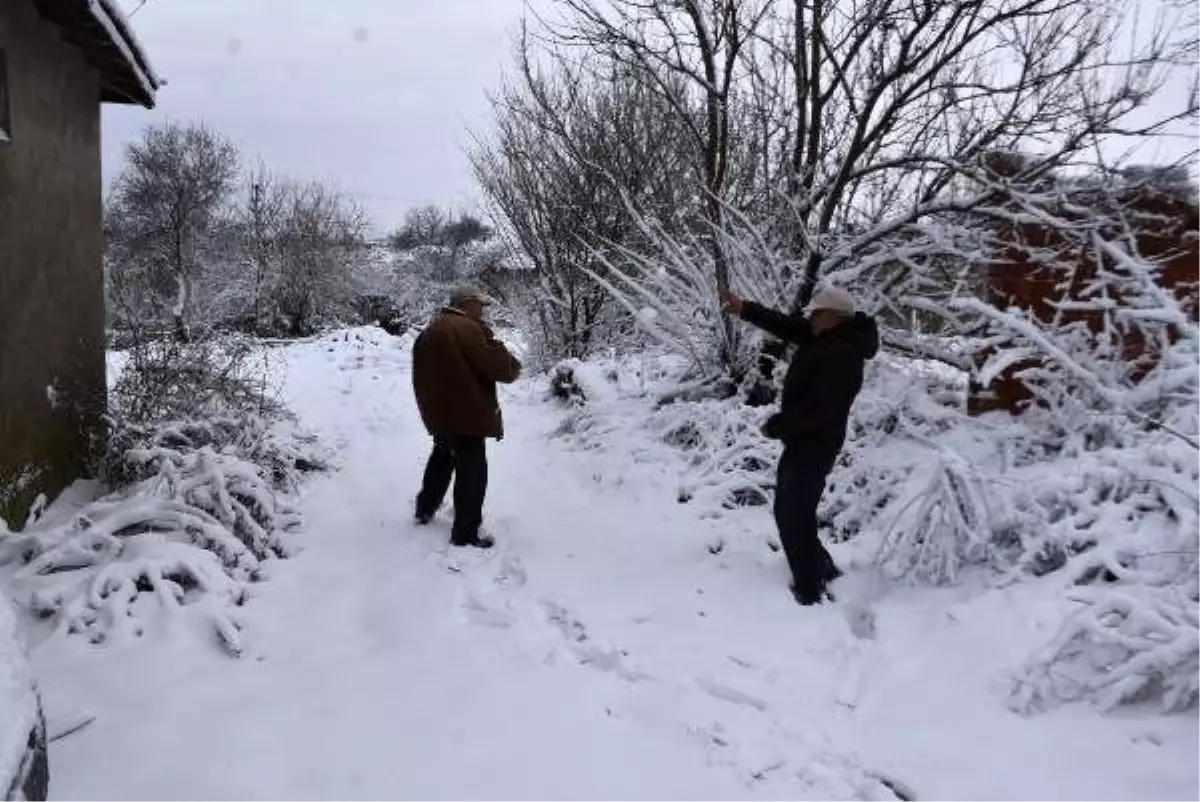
point(51, 250)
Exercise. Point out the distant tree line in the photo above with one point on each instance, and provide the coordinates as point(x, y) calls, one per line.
point(197, 240)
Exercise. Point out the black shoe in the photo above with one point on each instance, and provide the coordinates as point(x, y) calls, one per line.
point(807, 598)
point(830, 571)
point(477, 541)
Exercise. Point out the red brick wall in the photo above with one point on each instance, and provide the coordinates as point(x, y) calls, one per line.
point(1166, 232)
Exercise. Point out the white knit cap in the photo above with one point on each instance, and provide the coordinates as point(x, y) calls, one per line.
point(461, 294)
point(833, 299)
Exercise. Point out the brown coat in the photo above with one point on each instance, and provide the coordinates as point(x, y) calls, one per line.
point(456, 364)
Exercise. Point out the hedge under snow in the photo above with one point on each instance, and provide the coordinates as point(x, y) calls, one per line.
point(1107, 509)
point(202, 508)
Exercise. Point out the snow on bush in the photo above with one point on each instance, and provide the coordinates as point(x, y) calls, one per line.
point(943, 525)
point(1109, 508)
point(166, 379)
point(940, 491)
point(727, 458)
point(281, 448)
point(1127, 644)
point(201, 462)
point(193, 526)
point(728, 462)
point(993, 494)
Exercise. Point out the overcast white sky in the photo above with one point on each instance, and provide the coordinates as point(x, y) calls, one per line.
point(374, 95)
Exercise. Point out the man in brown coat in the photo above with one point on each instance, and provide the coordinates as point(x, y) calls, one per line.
point(457, 362)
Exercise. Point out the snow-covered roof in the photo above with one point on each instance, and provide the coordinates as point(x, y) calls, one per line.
point(103, 33)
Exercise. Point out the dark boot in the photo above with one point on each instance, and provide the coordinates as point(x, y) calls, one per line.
point(807, 598)
point(477, 541)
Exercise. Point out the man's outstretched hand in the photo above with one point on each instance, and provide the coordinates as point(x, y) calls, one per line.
point(731, 304)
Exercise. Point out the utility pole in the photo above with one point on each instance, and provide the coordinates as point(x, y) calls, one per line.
point(258, 233)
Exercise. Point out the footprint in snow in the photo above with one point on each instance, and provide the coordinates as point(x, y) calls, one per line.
point(585, 651)
point(732, 695)
point(561, 619)
point(481, 615)
point(511, 573)
point(609, 660)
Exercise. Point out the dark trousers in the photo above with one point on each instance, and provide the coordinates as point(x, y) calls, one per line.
point(463, 459)
point(798, 489)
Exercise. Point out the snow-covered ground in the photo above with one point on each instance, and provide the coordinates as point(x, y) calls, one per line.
point(600, 651)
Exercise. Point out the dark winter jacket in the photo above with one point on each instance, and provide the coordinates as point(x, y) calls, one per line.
point(456, 364)
point(823, 379)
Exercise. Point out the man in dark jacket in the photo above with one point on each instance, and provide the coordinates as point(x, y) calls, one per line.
point(822, 381)
point(457, 362)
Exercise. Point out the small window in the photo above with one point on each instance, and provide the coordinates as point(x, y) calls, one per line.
point(5, 120)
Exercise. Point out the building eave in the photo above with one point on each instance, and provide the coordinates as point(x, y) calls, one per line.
point(101, 31)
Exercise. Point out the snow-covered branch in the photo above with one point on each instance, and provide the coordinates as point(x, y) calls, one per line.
point(200, 512)
point(1124, 645)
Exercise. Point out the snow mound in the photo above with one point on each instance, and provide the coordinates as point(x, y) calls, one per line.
point(584, 382)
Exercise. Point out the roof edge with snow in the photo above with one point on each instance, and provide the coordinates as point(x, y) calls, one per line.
point(102, 32)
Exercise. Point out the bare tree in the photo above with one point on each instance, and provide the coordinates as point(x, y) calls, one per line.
point(571, 149)
point(421, 226)
point(898, 106)
point(875, 143)
point(321, 236)
point(167, 206)
point(262, 234)
point(690, 50)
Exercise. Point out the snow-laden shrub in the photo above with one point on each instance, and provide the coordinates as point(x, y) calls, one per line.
point(589, 390)
point(166, 379)
point(281, 449)
point(200, 461)
point(903, 408)
point(941, 491)
point(1126, 514)
point(943, 527)
point(728, 461)
point(976, 497)
point(1126, 645)
point(190, 534)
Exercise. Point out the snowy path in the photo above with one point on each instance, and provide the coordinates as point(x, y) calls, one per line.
point(600, 651)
